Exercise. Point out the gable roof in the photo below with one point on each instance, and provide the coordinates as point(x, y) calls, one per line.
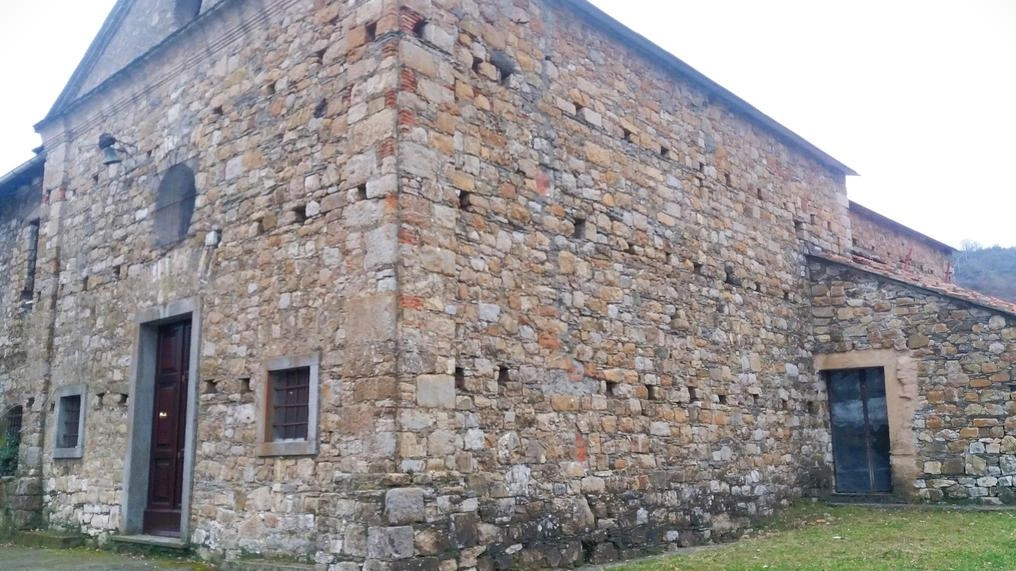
point(671, 63)
point(95, 49)
point(920, 281)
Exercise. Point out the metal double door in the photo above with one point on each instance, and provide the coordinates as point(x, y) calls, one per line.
point(860, 430)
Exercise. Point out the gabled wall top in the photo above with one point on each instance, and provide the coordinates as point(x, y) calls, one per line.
point(130, 31)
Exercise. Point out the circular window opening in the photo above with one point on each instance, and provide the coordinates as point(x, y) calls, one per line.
point(174, 205)
point(186, 10)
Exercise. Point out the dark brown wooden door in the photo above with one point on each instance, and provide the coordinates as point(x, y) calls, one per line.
point(169, 415)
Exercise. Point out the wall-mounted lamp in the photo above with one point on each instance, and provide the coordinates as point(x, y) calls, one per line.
point(112, 149)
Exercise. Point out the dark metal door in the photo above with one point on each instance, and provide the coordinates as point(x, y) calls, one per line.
point(860, 430)
point(169, 414)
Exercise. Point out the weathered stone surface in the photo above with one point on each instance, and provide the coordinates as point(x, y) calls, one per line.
point(435, 391)
point(560, 317)
point(404, 505)
point(389, 543)
point(961, 422)
point(894, 245)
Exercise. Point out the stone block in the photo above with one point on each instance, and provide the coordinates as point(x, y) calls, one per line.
point(371, 317)
point(435, 391)
point(489, 311)
point(1008, 445)
point(976, 466)
point(917, 341)
point(431, 541)
point(404, 505)
point(952, 466)
point(464, 529)
point(355, 541)
point(390, 543)
point(1007, 463)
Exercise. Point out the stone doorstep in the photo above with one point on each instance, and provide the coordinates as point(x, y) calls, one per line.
point(873, 498)
point(150, 545)
point(151, 541)
point(265, 565)
point(48, 539)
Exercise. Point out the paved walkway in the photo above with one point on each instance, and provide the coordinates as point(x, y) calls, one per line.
point(13, 558)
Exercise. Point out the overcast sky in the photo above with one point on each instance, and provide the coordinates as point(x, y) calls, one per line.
point(918, 96)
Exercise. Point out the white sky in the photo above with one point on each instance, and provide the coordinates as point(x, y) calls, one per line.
point(918, 96)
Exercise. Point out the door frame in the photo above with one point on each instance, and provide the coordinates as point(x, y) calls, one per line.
point(901, 395)
point(139, 413)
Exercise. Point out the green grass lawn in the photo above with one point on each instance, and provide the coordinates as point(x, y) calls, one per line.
point(824, 538)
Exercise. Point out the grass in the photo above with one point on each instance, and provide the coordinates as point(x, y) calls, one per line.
point(825, 538)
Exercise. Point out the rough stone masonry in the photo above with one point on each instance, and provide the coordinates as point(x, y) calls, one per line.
point(564, 299)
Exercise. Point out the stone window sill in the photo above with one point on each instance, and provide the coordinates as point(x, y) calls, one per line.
point(287, 448)
point(68, 453)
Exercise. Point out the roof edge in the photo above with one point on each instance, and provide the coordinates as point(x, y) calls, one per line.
point(979, 300)
point(883, 219)
point(92, 54)
point(607, 23)
point(23, 169)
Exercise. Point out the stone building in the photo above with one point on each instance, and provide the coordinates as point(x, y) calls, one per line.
point(891, 244)
point(437, 284)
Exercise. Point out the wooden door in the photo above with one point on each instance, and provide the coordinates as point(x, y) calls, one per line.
point(169, 415)
point(860, 431)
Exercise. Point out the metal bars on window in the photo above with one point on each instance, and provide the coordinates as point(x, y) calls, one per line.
point(70, 416)
point(290, 403)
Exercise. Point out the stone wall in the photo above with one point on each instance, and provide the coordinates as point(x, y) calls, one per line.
point(20, 203)
point(139, 26)
point(20, 200)
point(282, 110)
point(560, 291)
point(959, 374)
point(603, 333)
point(897, 246)
point(526, 351)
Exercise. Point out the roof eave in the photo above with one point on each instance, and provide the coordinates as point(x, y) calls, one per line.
point(19, 172)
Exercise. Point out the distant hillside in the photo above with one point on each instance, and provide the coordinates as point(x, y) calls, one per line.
point(989, 270)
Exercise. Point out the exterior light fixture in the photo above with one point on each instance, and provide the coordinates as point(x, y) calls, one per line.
point(110, 154)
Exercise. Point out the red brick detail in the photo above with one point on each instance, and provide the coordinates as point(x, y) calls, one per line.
point(391, 99)
point(549, 341)
point(542, 183)
point(581, 448)
point(386, 148)
point(407, 118)
point(411, 302)
point(407, 80)
point(408, 19)
point(408, 236)
point(390, 48)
